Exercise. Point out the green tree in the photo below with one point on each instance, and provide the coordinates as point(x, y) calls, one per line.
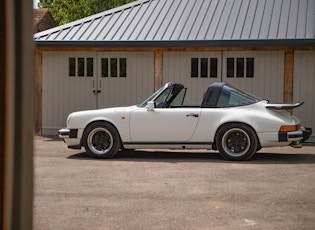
point(65, 11)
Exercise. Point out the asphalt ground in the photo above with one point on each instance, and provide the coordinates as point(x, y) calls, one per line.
point(166, 189)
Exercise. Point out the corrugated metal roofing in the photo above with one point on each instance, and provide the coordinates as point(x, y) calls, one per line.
point(191, 23)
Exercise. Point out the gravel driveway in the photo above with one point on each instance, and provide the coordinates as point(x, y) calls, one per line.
point(173, 189)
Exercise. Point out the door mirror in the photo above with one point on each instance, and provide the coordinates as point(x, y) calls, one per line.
point(150, 106)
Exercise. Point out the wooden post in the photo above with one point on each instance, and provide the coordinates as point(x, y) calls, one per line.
point(288, 76)
point(38, 92)
point(158, 69)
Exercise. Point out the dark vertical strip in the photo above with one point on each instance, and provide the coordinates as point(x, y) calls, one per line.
point(3, 108)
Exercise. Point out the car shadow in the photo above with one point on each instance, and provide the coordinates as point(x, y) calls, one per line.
point(209, 156)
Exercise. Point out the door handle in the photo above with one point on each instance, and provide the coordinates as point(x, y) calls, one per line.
point(192, 115)
point(96, 91)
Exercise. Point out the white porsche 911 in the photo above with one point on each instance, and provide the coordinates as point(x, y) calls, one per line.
point(228, 119)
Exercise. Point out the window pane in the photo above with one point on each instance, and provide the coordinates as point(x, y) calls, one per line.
point(240, 67)
point(123, 67)
point(89, 67)
point(81, 67)
point(113, 67)
point(71, 67)
point(104, 67)
point(194, 67)
point(249, 67)
point(204, 67)
point(213, 67)
point(230, 67)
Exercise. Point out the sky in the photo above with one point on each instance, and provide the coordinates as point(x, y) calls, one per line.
point(35, 2)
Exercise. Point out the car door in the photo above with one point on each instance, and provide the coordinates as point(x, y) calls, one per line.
point(163, 124)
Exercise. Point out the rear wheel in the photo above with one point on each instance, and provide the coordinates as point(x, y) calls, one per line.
point(101, 140)
point(236, 142)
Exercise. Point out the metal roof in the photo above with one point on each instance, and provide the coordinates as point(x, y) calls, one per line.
point(191, 23)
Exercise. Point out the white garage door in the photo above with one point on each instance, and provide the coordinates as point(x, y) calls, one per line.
point(258, 72)
point(304, 86)
point(195, 70)
point(74, 81)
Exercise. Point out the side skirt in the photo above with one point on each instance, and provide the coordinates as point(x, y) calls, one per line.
point(167, 145)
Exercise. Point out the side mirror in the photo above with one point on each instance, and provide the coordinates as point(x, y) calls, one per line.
point(150, 106)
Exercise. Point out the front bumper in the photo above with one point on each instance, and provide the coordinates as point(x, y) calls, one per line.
point(70, 136)
point(68, 133)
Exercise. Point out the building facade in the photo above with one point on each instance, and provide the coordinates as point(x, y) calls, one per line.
point(121, 56)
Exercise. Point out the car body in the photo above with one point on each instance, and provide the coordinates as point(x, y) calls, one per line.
point(228, 119)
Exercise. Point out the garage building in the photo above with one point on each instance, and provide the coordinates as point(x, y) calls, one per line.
point(120, 56)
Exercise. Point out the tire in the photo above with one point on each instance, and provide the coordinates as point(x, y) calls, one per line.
point(101, 140)
point(237, 142)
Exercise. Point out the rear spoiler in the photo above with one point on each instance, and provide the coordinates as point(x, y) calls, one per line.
point(283, 106)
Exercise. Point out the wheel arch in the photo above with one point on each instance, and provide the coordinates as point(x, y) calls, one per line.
point(233, 122)
point(101, 121)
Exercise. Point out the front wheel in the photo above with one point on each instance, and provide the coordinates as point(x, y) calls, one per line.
point(236, 142)
point(101, 140)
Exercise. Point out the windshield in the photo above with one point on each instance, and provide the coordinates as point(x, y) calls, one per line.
point(230, 97)
point(144, 103)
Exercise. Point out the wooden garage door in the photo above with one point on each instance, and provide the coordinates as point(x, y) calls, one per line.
point(303, 87)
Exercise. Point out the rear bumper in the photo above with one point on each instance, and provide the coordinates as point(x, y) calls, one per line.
point(296, 136)
point(307, 132)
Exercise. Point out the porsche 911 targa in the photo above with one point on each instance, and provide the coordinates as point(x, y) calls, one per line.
point(229, 120)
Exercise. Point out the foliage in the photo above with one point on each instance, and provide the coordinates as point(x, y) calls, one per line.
point(65, 11)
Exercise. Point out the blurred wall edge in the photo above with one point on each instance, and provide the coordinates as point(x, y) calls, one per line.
point(16, 114)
